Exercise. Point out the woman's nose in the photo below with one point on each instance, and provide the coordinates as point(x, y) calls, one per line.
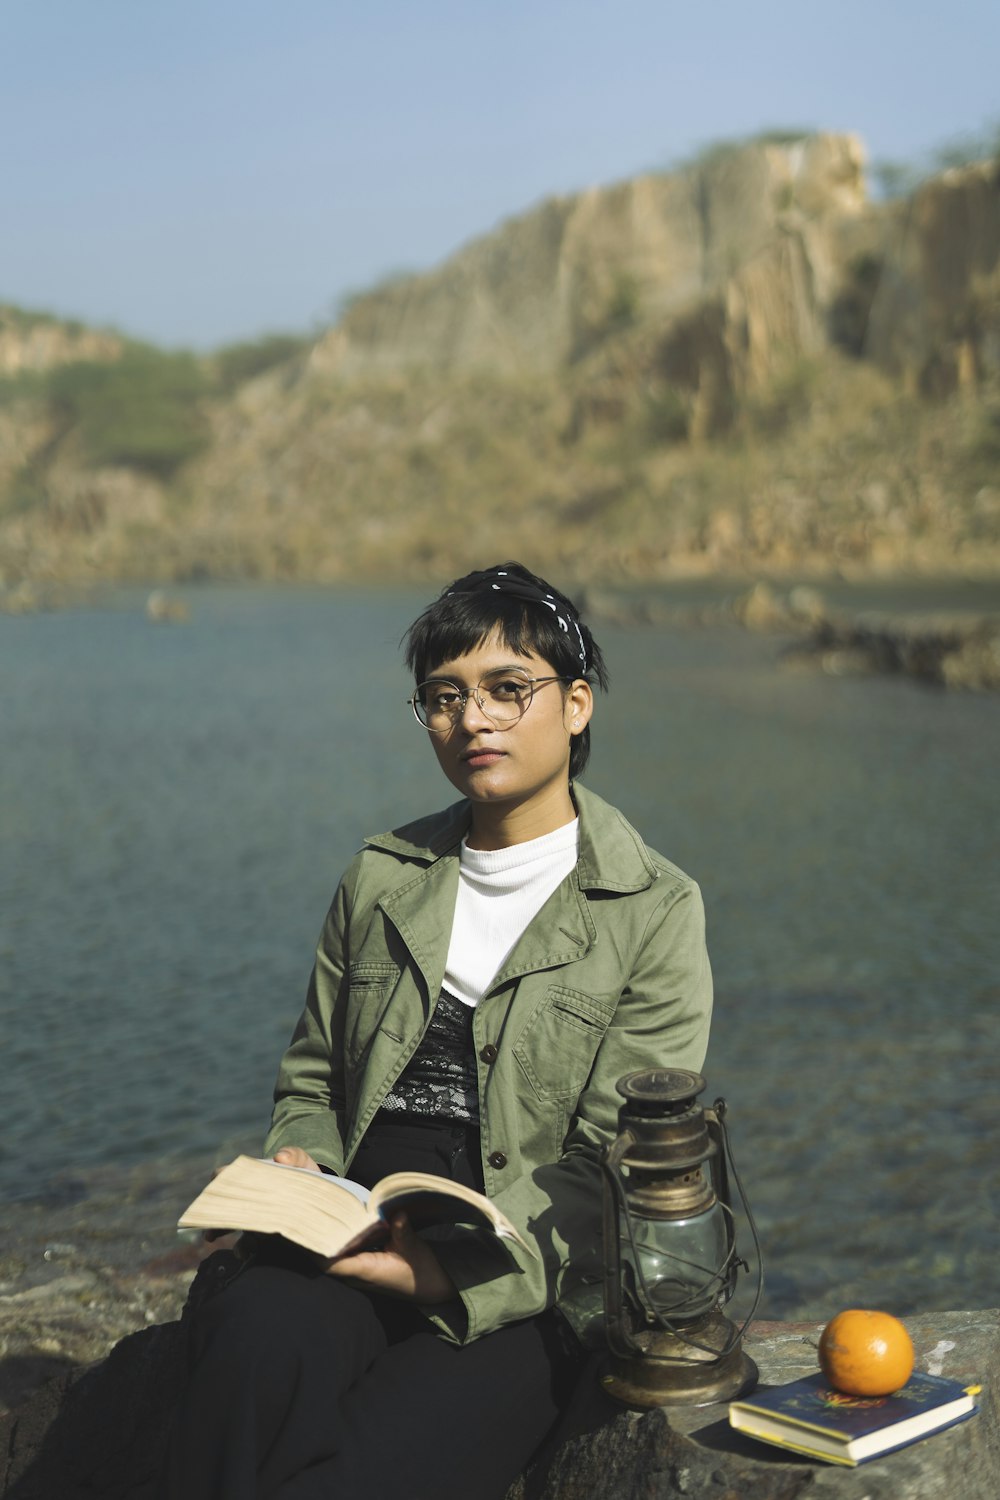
point(473, 717)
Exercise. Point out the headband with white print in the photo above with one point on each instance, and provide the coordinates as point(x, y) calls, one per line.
point(502, 582)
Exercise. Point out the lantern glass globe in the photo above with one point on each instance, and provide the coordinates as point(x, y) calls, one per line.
point(683, 1264)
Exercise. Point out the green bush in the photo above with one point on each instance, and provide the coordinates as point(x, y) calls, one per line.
point(666, 416)
point(353, 296)
point(850, 313)
point(623, 304)
point(20, 319)
point(25, 492)
point(895, 179)
point(237, 363)
point(983, 441)
point(142, 410)
point(22, 385)
point(713, 152)
point(785, 402)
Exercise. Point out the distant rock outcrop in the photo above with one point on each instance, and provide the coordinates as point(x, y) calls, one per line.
point(34, 342)
point(935, 316)
point(739, 366)
point(750, 231)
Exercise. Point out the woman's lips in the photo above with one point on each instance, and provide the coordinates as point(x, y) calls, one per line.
point(476, 759)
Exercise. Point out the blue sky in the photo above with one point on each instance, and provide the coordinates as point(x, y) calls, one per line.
point(201, 171)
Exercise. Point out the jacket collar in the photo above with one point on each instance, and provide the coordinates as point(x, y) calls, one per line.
point(612, 855)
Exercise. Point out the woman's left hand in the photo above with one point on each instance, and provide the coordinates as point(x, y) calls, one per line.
point(405, 1267)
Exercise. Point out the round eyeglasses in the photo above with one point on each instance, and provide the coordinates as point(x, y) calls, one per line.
point(504, 698)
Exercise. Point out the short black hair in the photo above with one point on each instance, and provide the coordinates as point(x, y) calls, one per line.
point(459, 621)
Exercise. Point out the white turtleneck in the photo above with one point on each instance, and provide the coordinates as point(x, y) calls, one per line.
point(499, 891)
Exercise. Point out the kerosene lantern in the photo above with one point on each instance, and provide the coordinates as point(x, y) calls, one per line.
point(670, 1248)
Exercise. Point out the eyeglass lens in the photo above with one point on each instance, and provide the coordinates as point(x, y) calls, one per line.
point(503, 697)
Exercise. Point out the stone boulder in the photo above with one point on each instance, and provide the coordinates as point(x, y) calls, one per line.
point(100, 1435)
point(960, 651)
point(100, 1430)
point(602, 1452)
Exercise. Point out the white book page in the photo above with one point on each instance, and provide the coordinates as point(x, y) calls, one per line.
point(361, 1193)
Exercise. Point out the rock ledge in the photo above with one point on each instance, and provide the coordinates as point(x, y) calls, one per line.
point(100, 1432)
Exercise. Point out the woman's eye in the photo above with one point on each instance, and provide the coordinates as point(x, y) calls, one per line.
point(511, 690)
point(443, 699)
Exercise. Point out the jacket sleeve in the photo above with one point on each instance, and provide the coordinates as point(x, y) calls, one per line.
point(310, 1093)
point(661, 1020)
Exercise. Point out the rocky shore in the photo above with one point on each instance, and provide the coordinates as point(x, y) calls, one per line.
point(94, 1281)
point(87, 1262)
point(957, 650)
point(102, 1432)
point(948, 650)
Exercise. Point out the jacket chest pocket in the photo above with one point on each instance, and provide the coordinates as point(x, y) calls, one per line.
point(371, 986)
point(557, 1047)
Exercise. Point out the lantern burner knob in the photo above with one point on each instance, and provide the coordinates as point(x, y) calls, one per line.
point(660, 1091)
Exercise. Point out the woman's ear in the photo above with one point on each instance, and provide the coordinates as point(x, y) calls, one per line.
point(579, 706)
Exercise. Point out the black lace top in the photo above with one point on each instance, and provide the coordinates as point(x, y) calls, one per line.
point(440, 1080)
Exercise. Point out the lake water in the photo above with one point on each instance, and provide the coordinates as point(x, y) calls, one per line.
point(177, 802)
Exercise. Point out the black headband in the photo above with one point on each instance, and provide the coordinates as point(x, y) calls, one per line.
point(499, 581)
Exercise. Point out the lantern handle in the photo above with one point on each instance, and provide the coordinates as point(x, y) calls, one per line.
point(720, 1109)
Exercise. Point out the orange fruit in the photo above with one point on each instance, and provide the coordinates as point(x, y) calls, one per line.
point(865, 1353)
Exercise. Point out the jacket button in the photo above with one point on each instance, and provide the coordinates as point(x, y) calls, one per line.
point(489, 1053)
point(497, 1159)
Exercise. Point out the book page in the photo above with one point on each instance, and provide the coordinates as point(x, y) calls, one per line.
point(362, 1194)
point(434, 1200)
point(269, 1197)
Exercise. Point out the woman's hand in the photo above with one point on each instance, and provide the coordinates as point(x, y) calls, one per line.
point(294, 1156)
point(405, 1267)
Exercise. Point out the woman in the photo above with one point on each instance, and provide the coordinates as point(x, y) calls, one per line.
point(484, 977)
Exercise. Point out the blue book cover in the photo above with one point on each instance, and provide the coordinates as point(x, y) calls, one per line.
point(810, 1417)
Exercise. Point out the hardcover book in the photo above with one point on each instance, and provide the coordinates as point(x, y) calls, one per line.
point(809, 1416)
point(333, 1216)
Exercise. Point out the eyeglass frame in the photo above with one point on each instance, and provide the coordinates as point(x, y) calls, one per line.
point(473, 692)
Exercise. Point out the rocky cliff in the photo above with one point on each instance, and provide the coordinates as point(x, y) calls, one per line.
point(536, 294)
point(935, 315)
point(739, 365)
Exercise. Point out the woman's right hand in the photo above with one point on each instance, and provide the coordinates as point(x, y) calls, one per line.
point(294, 1156)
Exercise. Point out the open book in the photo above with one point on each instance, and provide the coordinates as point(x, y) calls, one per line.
point(333, 1216)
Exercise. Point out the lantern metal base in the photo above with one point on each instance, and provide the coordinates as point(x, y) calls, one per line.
point(669, 1372)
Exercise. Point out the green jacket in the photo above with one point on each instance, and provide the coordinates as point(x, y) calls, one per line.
point(610, 976)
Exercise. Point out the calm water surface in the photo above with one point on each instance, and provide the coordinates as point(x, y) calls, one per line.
point(177, 802)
